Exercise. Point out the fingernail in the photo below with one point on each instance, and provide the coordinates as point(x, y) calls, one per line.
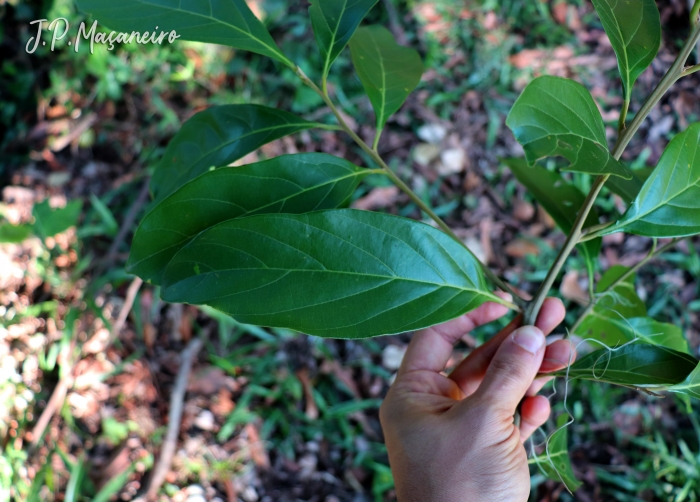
point(529, 338)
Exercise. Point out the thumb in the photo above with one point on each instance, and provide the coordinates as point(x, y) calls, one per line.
point(513, 369)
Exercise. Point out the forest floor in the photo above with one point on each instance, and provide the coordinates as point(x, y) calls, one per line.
point(270, 415)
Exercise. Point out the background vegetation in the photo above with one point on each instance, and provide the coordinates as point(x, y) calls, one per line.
point(273, 415)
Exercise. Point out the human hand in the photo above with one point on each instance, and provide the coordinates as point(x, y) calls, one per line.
point(452, 438)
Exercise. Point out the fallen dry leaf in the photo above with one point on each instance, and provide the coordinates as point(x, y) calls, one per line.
point(257, 447)
point(520, 248)
point(571, 288)
point(523, 210)
point(311, 408)
point(378, 198)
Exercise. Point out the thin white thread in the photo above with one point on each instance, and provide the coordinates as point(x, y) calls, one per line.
point(567, 379)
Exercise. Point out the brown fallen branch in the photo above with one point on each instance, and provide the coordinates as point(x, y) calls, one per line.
point(55, 402)
point(174, 418)
point(126, 308)
point(127, 223)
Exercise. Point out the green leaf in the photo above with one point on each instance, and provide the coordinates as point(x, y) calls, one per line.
point(558, 117)
point(225, 22)
point(669, 203)
point(14, 233)
point(334, 22)
point(634, 29)
point(114, 485)
point(388, 71)
point(217, 137)
point(339, 273)
point(557, 465)
point(690, 386)
point(635, 365)
point(73, 488)
point(657, 333)
point(109, 222)
point(561, 200)
point(49, 221)
point(607, 322)
point(629, 189)
point(287, 184)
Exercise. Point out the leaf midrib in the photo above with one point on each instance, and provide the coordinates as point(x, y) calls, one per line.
point(247, 213)
point(374, 276)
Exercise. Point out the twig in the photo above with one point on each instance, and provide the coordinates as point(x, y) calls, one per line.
point(57, 397)
point(126, 308)
point(56, 401)
point(174, 417)
point(127, 223)
point(533, 309)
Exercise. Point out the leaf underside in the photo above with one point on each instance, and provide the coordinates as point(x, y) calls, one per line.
point(225, 22)
point(607, 322)
point(634, 30)
point(635, 365)
point(657, 333)
point(287, 184)
point(558, 117)
point(217, 137)
point(339, 273)
point(668, 204)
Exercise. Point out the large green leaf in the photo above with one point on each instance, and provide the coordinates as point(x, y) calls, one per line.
point(339, 273)
point(658, 333)
point(555, 462)
point(669, 202)
point(334, 22)
point(607, 322)
point(560, 199)
point(226, 22)
point(287, 184)
point(634, 29)
point(216, 137)
point(388, 71)
point(636, 365)
point(558, 117)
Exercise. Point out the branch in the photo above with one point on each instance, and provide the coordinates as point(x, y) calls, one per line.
point(374, 155)
point(177, 398)
point(653, 253)
point(590, 233)
point(56, 402)
point(126, 308)
point(690, 70)
point(672, 75)
point(127, 223)
point(533, 309)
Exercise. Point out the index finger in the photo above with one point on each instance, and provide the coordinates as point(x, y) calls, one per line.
point(431, 348)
